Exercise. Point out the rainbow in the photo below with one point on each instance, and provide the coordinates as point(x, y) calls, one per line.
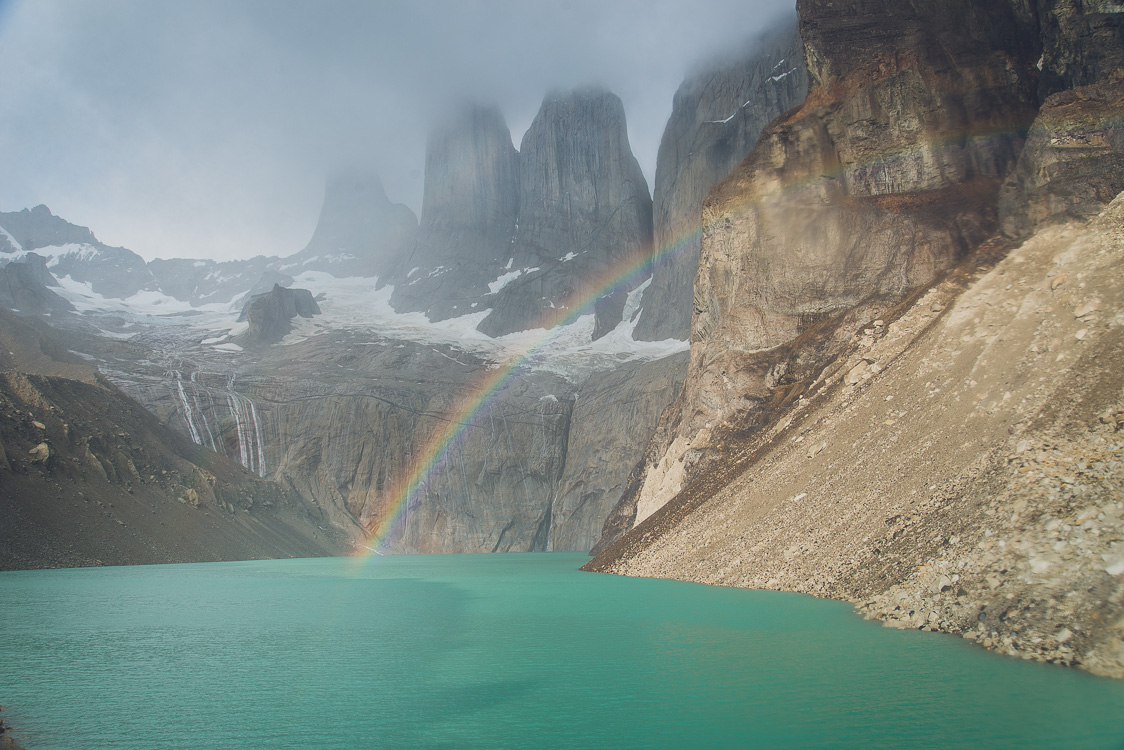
point(625, 275)
point(455, 424)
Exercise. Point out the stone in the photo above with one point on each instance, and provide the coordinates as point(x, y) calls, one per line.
point(40, 453)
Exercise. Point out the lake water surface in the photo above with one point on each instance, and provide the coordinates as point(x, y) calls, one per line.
point(498, 651)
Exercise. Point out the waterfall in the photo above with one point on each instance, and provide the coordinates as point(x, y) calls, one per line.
point(247, 429)
point(202, 412)
point(187, 415)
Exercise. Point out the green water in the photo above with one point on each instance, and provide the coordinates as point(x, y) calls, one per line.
point(498, 651)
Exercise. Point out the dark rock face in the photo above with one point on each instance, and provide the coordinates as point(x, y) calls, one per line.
point(270, 315)
point(716, 117)
point(469, 210)
point(360, 232)
point(584, 211)
point(601, 454)
point(24, 287)
point(1082, 42)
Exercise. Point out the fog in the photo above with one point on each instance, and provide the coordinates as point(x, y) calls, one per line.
point(206, 129)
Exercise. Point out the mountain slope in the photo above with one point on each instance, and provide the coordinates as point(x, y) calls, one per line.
point(88, 476)
point(958, 468)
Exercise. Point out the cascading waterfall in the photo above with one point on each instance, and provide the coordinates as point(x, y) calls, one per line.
point(187, 412)
point(247, 423)
point(202, 413)
point(247, 429)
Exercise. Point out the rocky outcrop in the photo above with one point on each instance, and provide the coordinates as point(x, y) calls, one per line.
point(24, 287)
point(883, 179)
point(270, 315)
point(716, 116)
point(585, 215)
point(469, 210)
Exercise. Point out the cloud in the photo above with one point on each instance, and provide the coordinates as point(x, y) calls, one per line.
point(205, 129)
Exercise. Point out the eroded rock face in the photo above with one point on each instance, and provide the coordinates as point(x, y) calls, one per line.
point(584, 212)
point(1082, 42)
point(270, 315)
point(469, 211)
point(885, 177)
point(349, 422)
point(716, 117)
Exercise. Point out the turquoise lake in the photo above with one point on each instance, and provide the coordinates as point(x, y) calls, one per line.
point(498, 651)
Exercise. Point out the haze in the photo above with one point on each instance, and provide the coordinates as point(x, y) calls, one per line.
point(206, 129)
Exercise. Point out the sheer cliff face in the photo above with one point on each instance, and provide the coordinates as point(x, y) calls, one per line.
point(886, 176)
point(469, 210)
point(716, 118)
point(584, 210)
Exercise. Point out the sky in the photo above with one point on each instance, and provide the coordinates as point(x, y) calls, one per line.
point(206, 129)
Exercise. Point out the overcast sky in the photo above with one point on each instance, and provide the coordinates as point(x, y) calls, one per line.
point(206, 129)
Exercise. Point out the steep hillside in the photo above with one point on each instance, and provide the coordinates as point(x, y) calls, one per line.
point(88, 477)
point(853, 427)
point(960, 466)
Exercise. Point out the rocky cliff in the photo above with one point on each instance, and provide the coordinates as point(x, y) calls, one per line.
point(945, 457)
point(716, 116)
point(883, 179)
point(585, 214)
